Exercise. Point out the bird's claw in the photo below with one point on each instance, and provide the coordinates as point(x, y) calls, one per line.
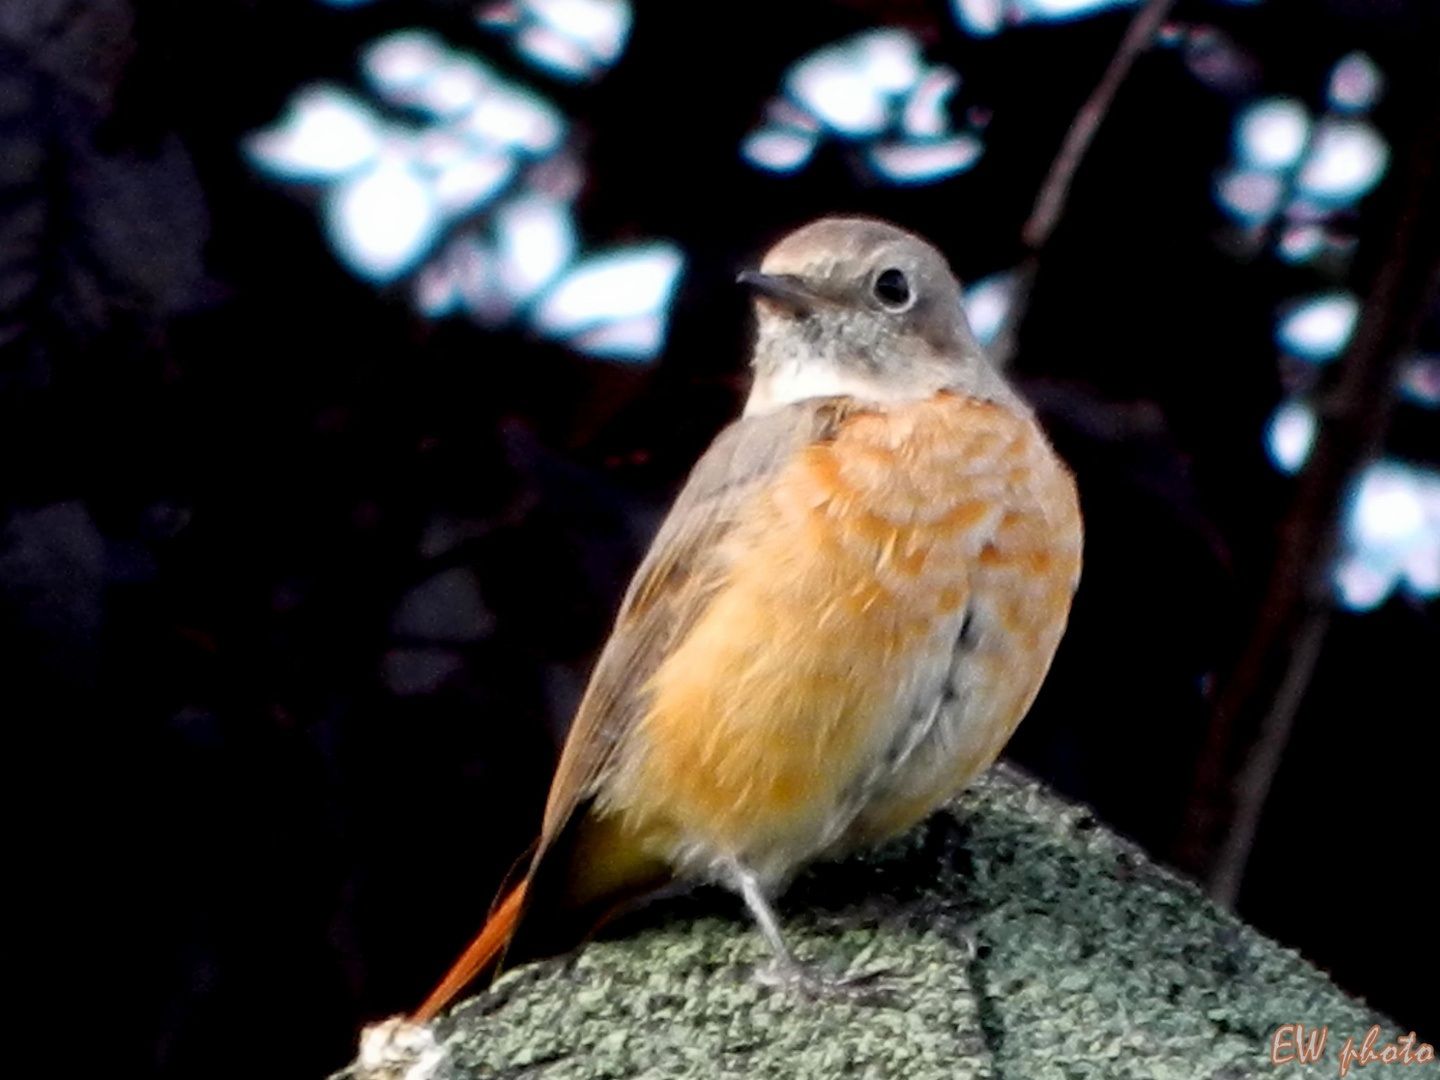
point(865, 988)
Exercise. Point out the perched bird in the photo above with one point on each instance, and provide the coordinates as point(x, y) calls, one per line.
point(848, 610)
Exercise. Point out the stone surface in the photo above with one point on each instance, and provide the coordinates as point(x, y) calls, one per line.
point(1016, 938)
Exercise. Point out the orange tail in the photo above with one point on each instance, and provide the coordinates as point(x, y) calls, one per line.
point(488, 944)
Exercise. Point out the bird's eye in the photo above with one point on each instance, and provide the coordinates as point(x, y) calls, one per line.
point(892, 288)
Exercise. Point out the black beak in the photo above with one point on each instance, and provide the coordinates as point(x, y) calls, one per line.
point(784, 289)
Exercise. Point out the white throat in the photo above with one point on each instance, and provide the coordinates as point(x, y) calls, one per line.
point(802, 380)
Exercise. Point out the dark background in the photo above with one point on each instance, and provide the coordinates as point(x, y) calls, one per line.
point(221, 454)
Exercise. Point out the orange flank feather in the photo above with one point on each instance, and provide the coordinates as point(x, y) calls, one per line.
point(481, 954)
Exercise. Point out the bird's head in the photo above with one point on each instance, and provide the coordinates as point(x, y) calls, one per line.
point(858, 307)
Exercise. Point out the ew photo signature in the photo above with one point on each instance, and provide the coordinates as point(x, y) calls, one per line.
point(1291, 1042)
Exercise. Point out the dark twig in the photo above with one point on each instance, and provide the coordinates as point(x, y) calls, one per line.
point(1054, 192)
point(1257, 775)
point(1254, 711)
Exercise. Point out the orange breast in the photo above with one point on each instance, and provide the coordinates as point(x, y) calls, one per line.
point(773, 726)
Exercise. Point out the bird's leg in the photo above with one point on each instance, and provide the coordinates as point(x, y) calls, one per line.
point(765, 918)
point(788, 972)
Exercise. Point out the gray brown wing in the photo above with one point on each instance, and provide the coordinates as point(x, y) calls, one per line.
point(672, 587)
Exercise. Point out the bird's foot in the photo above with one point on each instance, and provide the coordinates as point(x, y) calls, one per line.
point(865, 988)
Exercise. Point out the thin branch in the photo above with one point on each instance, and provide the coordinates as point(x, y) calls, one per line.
point(1253, 713)
point(1055, 191)
point(1258, 774)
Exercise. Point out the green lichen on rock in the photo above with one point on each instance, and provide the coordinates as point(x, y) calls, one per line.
point(1016, 938)
point(1095, 962)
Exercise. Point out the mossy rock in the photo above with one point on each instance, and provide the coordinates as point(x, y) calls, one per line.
point(1015, 938)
